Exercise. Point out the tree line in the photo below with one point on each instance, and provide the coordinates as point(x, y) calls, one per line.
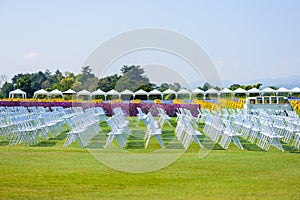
point(130, 77)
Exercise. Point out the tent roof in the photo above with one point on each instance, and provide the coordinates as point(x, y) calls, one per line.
point(127, 92)
point(98, 92)
point(268, 90)
point(254, 90)
point(197, 91)
point(295, 90)
point(183, 91)
point(226, 90)
point(240, 90)
point(112, 92)
point(41, 92)
point(282, 89)
point(155, 91)
point(55, 92)
point(69, 91)
point(17, 91)
point(84, 92)
point(141, 92)
point(212, 91)
point(169, 91)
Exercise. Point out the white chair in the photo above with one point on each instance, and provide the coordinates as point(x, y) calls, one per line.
point(163, 118)
point(152, 130)
point(268, 137)
point(140, 116)
point(116, 133)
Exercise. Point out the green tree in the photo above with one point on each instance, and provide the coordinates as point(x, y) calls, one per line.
point(86, 73)
point(6, 88)
point(206, 86)
point(77, 86)
point(136, 73)
point(164, 86)
point(108, 83)
point(126, 83)
point(3, 79)
point(234, 87)
point(24, 83)
point(175, 86)
point(148, 87)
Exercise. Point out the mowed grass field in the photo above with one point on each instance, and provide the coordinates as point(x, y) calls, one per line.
point(50, 171)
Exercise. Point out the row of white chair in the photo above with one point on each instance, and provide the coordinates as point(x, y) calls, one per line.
point(31, 125)
point(83, 127)
point(119, 126)
point(185, 129)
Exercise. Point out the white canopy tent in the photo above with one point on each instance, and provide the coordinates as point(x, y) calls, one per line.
point(183, 91)
point(168, 91)
point(55, 92)
point(98, 93)
point(282, 90)
point(295, 90)
point(84, 92)
point(17, 92)
point(239, 91)
point(253, 91)
point(197, 91)
point(268, 90)
point(225, 91)
point(155, 92)
point(211, 91)
point(141, 92)
point(127, 93)
point(40, 92)
point(69, 91)
point(112, 93)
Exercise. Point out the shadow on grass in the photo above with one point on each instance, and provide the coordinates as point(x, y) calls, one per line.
point(290, 148)
point(251, 147)
point(135, 145)
point(96, 145)
point(51, 141)
point(4, 143)
point(61, 136)
point(47, 143)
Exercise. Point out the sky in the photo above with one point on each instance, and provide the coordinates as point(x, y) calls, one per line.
point(247, 40)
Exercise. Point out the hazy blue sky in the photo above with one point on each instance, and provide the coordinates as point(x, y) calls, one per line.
point(246, 39)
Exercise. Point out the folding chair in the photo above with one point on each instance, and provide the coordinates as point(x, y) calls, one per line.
point(152, 130)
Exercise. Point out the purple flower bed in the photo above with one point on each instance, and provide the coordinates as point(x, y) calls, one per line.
point(128, 108)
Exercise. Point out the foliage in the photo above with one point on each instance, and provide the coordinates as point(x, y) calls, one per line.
point(6, 88)
point(164, 86)
point(245, 87)
point(108, 83)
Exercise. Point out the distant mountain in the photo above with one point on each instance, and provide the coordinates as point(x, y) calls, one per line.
point(287, 82)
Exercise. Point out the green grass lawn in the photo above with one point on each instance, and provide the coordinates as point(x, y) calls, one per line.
point(50, 171)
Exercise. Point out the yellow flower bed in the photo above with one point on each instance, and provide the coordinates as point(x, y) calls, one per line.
point(157, 101)
point(296, 105)
point(97, 101)
point(232, 104)
point(136, 101)
point(116, 101)
point(178, 101)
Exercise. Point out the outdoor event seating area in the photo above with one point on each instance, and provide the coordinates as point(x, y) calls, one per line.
point(265, 128)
